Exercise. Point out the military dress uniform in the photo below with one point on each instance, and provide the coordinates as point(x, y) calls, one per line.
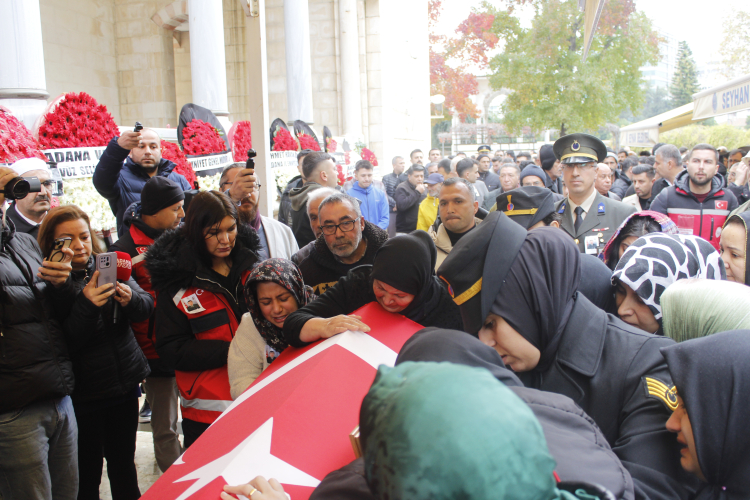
point(605, 215)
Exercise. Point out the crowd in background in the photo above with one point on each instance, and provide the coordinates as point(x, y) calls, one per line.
point(576, 285)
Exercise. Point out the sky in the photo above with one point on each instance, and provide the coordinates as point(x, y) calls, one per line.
point(690, 20)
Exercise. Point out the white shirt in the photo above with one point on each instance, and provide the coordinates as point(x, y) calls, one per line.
point(586, 205)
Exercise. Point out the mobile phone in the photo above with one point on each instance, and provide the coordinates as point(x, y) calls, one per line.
point(56, 255)
point(106, 264)
point(138, 127)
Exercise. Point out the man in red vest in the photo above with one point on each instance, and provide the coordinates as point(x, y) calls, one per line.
point(160, 209)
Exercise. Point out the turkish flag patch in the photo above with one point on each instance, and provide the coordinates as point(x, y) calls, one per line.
point(293, 423)
point(721, 205)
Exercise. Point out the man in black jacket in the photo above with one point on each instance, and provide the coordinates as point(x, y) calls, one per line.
point(408, 194)
point(347, 241)
point(38, 435)
point(319, 170)
point(285, 205)
point(27, 213)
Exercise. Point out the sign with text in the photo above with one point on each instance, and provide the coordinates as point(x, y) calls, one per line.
point(211, 162)
point(734, 96)
point(75, 162)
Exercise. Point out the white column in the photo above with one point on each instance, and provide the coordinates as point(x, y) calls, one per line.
point(23, 86)
point(208, 67)
point(257, 80)
point(351, 98)
point(298, 65)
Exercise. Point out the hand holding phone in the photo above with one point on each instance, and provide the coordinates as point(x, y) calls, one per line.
point(57, 254)
point(98, 295)
point(106, 264)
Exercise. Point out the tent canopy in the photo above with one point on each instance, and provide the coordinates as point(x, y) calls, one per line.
point(646, 133)
point(722, 99)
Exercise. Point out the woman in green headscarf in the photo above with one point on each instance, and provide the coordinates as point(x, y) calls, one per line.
point(724, 306)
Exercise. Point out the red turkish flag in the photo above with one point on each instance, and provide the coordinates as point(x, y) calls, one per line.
point(293, 422)
point(721, 205)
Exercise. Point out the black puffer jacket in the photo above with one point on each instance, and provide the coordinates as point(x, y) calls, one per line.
point(34, 361)
point(107, 360)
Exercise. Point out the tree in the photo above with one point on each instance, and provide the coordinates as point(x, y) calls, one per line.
point(720, 135)
point(657, 102)
point(685, 79)
point(450, 58)
point(552, 86)
point(735, 47)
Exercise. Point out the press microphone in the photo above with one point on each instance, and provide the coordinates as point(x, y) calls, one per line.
point(124, 270)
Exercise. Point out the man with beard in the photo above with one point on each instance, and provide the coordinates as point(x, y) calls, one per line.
point(121, 183)
point(347, 241)
point(276, 239)
point(457, 209)
point(27, 213)
point(486, 175)
point(644, 177)
point(697, 202)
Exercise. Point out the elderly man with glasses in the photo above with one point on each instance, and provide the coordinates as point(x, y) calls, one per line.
point(276, 239)
point(347, 241)
point(590, 218)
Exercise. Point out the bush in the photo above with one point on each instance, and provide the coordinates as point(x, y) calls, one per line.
point(719, 135)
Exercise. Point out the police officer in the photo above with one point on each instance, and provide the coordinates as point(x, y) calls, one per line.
point(518, 291)
point(484, 149)
point(590, 218)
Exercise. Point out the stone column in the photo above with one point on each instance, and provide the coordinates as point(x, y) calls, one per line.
point(351, 99)
point(207, 58)
point(257, 82)
point(298, 67)
point(23, 85)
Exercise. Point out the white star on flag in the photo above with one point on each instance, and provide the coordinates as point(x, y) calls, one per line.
point(251, 458)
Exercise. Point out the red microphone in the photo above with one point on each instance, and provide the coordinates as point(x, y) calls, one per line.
point(124, 270)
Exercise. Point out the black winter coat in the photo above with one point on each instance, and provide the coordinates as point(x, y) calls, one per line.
point(354, 291)
point(34, 361)
point(173, 264)
point(321, 269)
point(107, 360)
point(603, 365)
point(407, 202)
point(285, 205)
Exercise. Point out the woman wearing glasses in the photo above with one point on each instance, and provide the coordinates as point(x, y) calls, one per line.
point(401, 279)
point(199, 270)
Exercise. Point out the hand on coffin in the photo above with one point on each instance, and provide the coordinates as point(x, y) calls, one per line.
point(323, 328)
point(257, 489)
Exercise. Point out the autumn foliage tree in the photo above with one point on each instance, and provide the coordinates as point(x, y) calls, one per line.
point(451, 58)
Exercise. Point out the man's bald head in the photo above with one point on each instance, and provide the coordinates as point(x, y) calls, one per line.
point(147, 153)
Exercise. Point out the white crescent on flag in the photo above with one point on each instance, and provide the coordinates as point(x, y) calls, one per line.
point(293, 422)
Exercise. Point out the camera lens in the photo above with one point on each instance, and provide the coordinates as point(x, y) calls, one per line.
point(17, 188)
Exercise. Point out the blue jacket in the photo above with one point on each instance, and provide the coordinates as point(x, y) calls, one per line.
point(121, 184)
point(374, 204)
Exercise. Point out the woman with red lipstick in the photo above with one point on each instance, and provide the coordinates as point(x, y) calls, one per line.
point(273, 290)
point(711, 380)
point(198, 270)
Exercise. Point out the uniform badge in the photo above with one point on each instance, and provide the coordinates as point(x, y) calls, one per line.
point(191, 304)
point(562, 209)
point(600, 208)
point(657, 389)
point(510, 205)
point(722, 205)
point(575, 146)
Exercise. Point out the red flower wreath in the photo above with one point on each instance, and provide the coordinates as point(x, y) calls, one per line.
point(331, 145)
point(172, 152)
point(340, 174)
point(308, 142)
point(16, 142)
point(77, 121)
point(369, 156)
point(200, 138)
point(240, 138)
point(283, 140)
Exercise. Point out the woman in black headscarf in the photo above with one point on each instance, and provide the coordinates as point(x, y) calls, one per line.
point(556, 340)
point(712, 380)
point(401, 279)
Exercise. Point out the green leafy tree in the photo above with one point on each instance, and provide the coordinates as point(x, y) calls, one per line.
point(685, 79)
point(657, 102)
point(552, 86)
point(720, 135)
point(735, 47)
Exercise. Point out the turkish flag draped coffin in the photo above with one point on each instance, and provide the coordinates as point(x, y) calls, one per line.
point(293, 422)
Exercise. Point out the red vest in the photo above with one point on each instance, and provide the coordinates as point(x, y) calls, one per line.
point(143, 330)
point(204, 395)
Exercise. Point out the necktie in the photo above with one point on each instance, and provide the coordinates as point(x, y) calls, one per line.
point(579, 219)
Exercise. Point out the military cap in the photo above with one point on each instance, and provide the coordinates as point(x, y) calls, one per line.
point(579, 148)
point(477, 265)
point(527, 205)
point(484, 148)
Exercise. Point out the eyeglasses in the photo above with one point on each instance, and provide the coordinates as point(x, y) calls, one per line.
point(581, 166)
point(346, 226)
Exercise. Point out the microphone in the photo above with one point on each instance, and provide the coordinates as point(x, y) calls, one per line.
point(124, 270)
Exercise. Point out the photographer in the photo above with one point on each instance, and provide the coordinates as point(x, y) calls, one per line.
point(27, 213)
point(38, 432)
point(121, 184)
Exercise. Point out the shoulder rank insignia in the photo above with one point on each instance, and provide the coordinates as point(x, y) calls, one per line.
point(562, 208)
point(600, 208)
point(657, 389)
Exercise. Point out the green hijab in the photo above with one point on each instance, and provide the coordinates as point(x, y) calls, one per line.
point(445, 431)
point(695, 308)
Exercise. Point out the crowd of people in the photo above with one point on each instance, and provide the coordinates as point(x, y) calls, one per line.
point(577, 341)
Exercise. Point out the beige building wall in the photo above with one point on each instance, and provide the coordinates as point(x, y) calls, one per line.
point(79, 50)
point(182, 80)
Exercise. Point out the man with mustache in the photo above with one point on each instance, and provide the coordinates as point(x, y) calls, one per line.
point(457, 209)
point(27, 213)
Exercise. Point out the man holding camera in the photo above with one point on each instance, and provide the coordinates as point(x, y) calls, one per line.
point(27, 212)
point(39, 434)
point(121, 183)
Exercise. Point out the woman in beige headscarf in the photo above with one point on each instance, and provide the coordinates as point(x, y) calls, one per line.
point(695, 308)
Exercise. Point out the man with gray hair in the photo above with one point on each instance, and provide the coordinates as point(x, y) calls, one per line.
point(346, 241)
point(668, 163)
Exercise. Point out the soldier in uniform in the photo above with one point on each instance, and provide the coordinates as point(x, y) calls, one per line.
point(590, 218)
point(518, 291)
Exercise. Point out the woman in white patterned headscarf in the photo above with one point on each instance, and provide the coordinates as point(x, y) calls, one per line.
point(650, 265)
